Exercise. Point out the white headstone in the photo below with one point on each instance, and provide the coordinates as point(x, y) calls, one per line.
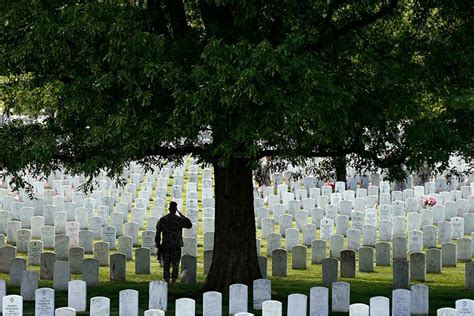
point(319, 301)
point(158, 295)
point(65, 311)
point(401, 302)
point(131, 230)
point(72, 230)
point(369, 235)
point(385, 230)
point(212, 304)
point(272, 308)
point(3, 289)
point(100, 306)
point(23, 237)
point(457, 227)
point(413, 221)
point(444, 232)
point(44, 302)
point(48, 236)
point(419, 299)
point(379, 306)
point(262, 291)
point(359, 309)
point(185, 307)
point(327, 228)
point(37, 222)
point(340, 297)
point(109, 236)
point(77, 295)
point(415, 241)
point(238, 298)
point(297, 305)
point(128, 303)
point(465, 307)
point(358, 220)
point(399, 226)
point(12, 305)
point(353, 239)
point(292, 238)
point(446, 311)
point(35, 248)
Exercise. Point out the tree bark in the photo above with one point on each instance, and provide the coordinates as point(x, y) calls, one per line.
point(235, 252)
point(340, 165)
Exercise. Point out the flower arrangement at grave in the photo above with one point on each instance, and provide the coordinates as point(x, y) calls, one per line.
point(429, 201)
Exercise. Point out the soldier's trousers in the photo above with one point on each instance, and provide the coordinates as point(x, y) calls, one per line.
point(171, 258)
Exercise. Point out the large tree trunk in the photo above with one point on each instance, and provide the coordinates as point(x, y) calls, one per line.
point(340, 165)
point(235, 251)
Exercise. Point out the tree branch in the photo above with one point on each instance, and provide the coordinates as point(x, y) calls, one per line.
point(365, 20)
point(329, 14)
point(394, 159)
point(175, 151)
point(218, 19)
point(158, 16)
point(387, 162)
point(177, 17)
point(316, 152)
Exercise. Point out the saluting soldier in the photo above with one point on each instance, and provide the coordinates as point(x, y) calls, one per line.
point(169, 247)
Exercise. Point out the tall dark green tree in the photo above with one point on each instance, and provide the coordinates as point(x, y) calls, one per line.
point(385, 83)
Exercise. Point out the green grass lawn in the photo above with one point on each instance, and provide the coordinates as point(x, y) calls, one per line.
point(445, 288)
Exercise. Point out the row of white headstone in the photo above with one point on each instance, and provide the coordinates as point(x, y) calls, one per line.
point(141, 211)
point(66, 224)
point(56, 211)
point(443, 181)
point(404, 302)
point(267, 225)
point(132, 230)
point(391, 220)
point(455, 203)
point(367, 230)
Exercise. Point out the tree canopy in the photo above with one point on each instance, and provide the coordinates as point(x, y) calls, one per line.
point(387, 82)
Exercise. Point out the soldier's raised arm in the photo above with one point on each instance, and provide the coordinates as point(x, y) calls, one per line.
point(186, 222)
